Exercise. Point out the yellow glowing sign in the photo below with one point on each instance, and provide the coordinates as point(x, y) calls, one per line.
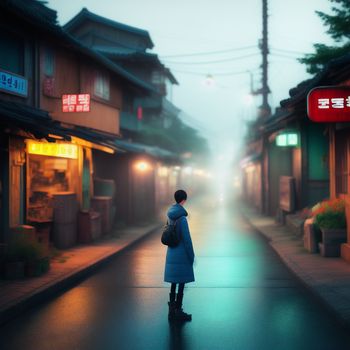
point(62, 150)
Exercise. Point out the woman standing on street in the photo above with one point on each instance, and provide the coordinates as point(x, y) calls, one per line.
point(179, 259)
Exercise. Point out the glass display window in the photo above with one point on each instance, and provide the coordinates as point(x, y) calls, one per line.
point(47, 175)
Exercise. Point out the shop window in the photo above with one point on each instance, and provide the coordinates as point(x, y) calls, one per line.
point(48, 175)
point(12, 53)
point(101, 86)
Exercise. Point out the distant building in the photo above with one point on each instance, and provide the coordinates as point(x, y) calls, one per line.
point(128, 46)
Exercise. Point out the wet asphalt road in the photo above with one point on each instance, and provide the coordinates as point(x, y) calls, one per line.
point(243, 298)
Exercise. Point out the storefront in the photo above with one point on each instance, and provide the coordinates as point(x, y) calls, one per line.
point(53, 190)
point(51, 168)
point(339, 173)
point(4, 188)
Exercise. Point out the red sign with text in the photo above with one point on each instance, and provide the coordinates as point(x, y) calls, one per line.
point(329, 104)
point(76, 103)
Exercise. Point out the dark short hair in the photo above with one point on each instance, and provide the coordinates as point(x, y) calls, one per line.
point(180, 195)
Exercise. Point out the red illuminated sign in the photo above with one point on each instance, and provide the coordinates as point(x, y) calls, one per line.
point(139, 113)
point(76, 103)
point(329, 104)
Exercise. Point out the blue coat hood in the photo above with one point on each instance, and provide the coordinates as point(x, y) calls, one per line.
point(176, 211)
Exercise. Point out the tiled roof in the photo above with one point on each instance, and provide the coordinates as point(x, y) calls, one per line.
point(123, 52)
point(145, 149)
point(33, 120)
point(26, 10)
point(335, 71)
point(33, 9)
point(86, 14)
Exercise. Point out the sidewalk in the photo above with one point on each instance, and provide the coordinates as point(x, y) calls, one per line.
point(74, 264)
point(327, 278)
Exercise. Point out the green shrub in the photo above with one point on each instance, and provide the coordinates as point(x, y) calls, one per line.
point(331, 220)
point(22, 248)
point(330, 214)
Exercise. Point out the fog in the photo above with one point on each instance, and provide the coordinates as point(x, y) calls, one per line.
point(212, 49)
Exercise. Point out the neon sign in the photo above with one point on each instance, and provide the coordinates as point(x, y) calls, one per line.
point(329, 104)
point(61, 150)
point(76, 103)
point(13, 84)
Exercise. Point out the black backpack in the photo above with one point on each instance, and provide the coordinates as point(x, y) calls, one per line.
point(170, 236)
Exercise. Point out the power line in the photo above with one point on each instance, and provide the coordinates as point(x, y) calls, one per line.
point(205, 53)
point(210, 62)
point(288, 51)
point(215, 74)
point(284, 56)
point(211, 52)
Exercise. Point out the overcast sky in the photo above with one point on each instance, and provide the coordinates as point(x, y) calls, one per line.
point(184, 27)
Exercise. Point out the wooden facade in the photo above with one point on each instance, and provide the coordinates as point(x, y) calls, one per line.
point(127, 46)
point(45, 151)
point(305, 162)
point(320, 164)
point(339, 161)
point(19, 56)
point(73, 75)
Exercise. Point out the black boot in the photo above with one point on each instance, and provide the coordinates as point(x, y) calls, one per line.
point(180, 315)
point(172, 306)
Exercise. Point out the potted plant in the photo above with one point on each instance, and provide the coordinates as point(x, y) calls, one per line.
point(33, 259)
point(25, 257)
point(331, 220)
point(13, 263)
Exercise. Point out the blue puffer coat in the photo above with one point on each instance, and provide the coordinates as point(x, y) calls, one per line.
point(179, 260)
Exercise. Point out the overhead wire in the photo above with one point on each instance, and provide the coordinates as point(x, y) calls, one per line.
point(231, 73)
point(212, 62)
point(275, 52)
point(287, 51)
point(206, 53)
point(284, 56)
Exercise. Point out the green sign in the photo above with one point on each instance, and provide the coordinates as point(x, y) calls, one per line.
point(287, 139)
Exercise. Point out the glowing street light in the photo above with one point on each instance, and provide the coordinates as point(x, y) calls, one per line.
point(209, 81)
point(188, 170)
point(142, 166)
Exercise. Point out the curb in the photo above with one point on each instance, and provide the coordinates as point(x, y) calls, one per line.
point(303, 278)
point(60, 285)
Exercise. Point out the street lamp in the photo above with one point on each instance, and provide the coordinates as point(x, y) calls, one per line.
point(142, 166)
point(209, 80)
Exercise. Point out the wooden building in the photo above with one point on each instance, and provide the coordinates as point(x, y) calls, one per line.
point(20, 115)
point(40, 65)
point(320, 163)
point(141, 114)
point(129, 47)
point(290, 151)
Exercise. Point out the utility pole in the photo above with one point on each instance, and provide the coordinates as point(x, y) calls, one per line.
point(265, 109)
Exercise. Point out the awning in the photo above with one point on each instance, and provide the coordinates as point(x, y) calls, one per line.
point(140, 148)
point(29, 119)
point(93, 139)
